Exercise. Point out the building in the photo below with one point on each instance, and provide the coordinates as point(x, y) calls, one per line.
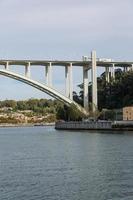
point(128, 113)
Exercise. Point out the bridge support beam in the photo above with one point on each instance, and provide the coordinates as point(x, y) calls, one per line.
point(7, 66)
point(27, 70)
point(94, 81)
point(85, 88)
point(48, 74)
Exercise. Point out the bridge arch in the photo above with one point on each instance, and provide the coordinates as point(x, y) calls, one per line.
point(42, 87)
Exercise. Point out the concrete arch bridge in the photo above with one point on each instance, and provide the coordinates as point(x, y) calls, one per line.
point(87, 64)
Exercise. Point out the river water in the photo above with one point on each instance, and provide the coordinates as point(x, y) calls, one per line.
point(41, 163)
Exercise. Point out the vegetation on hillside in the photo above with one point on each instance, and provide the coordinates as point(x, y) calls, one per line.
point(41, 106)
point(53, 109)
point(28, 111)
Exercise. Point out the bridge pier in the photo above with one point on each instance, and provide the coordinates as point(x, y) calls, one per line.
point(125, 69)
point(69, 81)
point(107, 74)
point(27, 70)
point(66, 81)
point(128, 68)
point(113, 71)
point(85, 88)
point(7, 66)
point(48, 74)
point(94, 81)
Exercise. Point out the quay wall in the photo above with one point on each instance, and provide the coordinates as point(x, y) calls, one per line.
point(92, 125)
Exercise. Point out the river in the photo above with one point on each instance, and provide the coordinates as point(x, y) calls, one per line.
point(41, 163)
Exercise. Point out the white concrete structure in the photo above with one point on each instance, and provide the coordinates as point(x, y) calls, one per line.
point(7, 65)
point(69, 81)
point(27, 70)
point(107, 74)
point(113, 71)
point(132, 67)
point(94, 81)
point(48, 74)
point(44, 88)
point(87, 64)
point(85, 88)
point(67, 92)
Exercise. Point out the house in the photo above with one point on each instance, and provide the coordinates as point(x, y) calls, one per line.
point(128, 113)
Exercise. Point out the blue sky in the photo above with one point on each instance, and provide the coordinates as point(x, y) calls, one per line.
point(61, 29)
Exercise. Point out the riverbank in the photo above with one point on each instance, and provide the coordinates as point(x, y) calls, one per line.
point(25, 125)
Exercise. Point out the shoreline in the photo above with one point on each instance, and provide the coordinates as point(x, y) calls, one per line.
point(25, 125)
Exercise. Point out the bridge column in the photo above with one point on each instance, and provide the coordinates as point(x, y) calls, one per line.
point(113, 71)
point(94, 81)
point(7, 66)
point(125, 69)
point(27, 70)
point(48, 74)
point(128, 68)
point(132, 67)
point(85, 88)
point(107, 74)
point(66, 81)
point(70, 81)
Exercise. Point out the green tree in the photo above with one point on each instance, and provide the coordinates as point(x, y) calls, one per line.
point(69, 113)
point(115, 94)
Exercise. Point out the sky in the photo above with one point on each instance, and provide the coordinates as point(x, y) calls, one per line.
point(61, 29)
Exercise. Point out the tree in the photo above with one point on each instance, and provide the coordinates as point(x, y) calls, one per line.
point(69, 113)
point(115, 94)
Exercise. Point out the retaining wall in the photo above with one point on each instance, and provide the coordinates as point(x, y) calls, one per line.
point(92, 125)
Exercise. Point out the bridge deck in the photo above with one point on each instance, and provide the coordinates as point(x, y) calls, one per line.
point(65, 63)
